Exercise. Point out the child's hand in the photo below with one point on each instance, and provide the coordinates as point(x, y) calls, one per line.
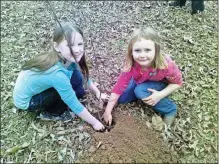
point(154, 98)
point(98, 126)
point(103, 96)
point(107, 118)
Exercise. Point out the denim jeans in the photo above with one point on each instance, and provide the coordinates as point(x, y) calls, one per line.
point(165, 106)
point(50, 100)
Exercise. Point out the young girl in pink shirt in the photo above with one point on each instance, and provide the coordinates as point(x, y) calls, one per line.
point(147, 75)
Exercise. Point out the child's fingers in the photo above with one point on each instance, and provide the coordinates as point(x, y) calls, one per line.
point(107, 97)
point(96, 84)
point(146, 99)
point(110, 122)
point(151, 90)
point(104, 96)
point(152, 103)
point(149, 102)
point(102, 129)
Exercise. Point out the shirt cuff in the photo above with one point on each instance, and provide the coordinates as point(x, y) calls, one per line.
point(117, 91)
point(89, 82)
point(78, 110)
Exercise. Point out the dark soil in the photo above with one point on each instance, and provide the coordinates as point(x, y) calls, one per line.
point(130, 140)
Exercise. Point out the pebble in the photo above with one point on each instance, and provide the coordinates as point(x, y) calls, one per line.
point(103, 147)
point(92, 149)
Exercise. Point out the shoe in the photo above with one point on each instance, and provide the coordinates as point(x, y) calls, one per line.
point(195, 12)
point(168, 120)
point(66, 116)
point(176, 3)
point(197, 6)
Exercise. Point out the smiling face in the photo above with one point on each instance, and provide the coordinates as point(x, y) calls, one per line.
point(77, 45)
point(143, 52)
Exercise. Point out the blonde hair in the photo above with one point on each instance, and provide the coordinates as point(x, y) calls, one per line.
point(46, 60)
point(43, 61)
point(149, 34)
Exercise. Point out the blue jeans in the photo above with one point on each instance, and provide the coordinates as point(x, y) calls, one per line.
point(165, 106)
point(51, 102)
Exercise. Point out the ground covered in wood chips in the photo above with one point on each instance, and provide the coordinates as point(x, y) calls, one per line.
point(130, 140)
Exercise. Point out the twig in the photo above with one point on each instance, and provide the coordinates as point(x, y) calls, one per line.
point(99, 144)
point(96, 68)
point(95, 59)
point(29, 157)
point(68, 41)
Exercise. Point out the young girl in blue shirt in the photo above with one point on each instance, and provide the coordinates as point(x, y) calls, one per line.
point(52, 82)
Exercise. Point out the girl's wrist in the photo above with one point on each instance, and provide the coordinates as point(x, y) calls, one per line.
point(108, 110)
point(98, 94)
point(161, 95)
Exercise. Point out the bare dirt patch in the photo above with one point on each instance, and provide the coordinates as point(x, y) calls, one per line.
point(129, 141)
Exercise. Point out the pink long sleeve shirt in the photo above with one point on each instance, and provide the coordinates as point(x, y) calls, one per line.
point(171, 74)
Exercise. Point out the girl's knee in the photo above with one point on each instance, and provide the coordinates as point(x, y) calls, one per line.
point(80, 94)
point(76, 78)
point(126, 98)
point(141, 92)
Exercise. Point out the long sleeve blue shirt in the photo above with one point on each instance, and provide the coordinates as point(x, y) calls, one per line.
point(30, 83)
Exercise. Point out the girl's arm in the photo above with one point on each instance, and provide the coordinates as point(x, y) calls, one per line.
point(86, 116)
point(117, 91)
point(169, 89)
point(111, 103)
point(96, 91)
point(156, 96)
point(174, 78)
point(61, 83)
